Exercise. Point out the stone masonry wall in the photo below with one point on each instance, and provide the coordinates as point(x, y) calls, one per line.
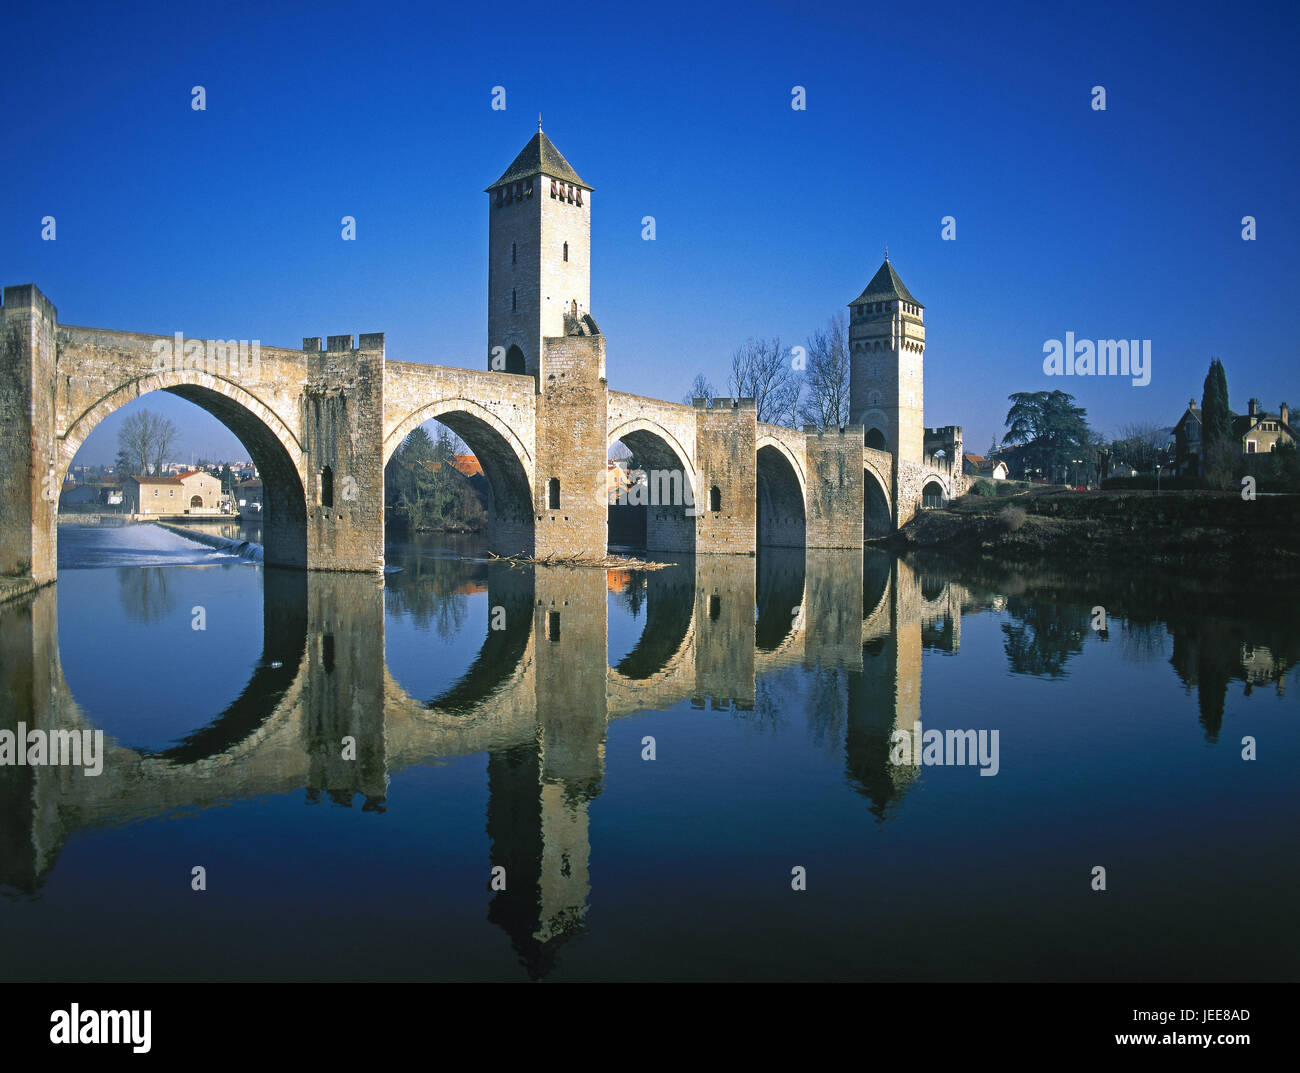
point(725, 447)
point(343, 434)
point(28, 465)
point(835, 486)
point(571, 439)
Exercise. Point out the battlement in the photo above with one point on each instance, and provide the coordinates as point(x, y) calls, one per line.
point(343, 343)
point(724, 402)
point(28, 296)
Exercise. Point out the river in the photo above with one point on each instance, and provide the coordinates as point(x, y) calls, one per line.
point(470, 771)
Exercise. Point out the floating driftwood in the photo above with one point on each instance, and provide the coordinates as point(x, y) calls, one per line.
point(605, 562)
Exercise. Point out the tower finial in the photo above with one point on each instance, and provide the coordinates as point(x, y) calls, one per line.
point(539, 122)
point(886, 251)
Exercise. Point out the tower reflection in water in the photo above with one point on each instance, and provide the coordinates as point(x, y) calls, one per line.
point(323, 713)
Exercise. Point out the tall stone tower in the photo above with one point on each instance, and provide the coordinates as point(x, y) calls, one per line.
point(539, 255)
point(887, 365)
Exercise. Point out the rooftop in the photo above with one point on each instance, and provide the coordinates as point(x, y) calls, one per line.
point(539, 157)
point(885, 286)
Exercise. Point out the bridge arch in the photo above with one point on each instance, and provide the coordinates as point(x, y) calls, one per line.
point(671, 494)
point(877, 518)
point(273, 447)
point(505, 458)
point(934, 492)
point(782, 494)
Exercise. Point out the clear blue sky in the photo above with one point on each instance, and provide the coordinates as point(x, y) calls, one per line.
point(1122, 223)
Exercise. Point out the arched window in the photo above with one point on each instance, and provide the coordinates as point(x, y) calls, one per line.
point(566, 251)
point(715, 498)
point(327, 487)
point(515, 360)
point(553, 493)
point(876, 439)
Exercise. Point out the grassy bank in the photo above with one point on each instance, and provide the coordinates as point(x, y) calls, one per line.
point(1189, 530)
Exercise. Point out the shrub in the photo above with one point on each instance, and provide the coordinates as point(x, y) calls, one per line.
point(1006, 488)
point(983, 487)
point(1011, 518)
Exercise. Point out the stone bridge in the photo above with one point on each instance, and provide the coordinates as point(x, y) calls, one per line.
point(320, 424)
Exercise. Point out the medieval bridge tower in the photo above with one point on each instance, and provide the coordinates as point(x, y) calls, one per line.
point(887, 365)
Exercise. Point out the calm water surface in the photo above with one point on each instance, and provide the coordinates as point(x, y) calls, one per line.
point(500, 719)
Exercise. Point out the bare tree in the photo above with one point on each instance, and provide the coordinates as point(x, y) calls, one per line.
point(827, 376)
point(761, 370)
point(701, 388)
point(165, 435)
point(1140, 444)
point(146, 439)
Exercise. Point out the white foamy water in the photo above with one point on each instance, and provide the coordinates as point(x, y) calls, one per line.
point(88, 547)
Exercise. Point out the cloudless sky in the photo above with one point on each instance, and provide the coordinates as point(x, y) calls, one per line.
point(226, 223)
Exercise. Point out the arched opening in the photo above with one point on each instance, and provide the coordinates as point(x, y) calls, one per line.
point(216, 433)
point(877, 570)
point(553, 494)
point(137, 705)
point(327, 487)
point(780, 583)
point(458, 472)
point(662, 602)
point(515, 361)
point(436, 606)
point(781, 519)
point(933, 497)
point(876, 439)
point(196, 502)
point(651, 494)
point(715, 499)
point(877, 521)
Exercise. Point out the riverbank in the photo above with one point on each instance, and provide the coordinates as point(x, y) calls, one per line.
point(1178, 530)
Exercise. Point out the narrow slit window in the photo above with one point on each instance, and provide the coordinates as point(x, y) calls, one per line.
point(715, 608)
point(553, 626)
point(566, 251)
point(553, 493)
point(327, 487)
point(715, 498)
point(514, 253)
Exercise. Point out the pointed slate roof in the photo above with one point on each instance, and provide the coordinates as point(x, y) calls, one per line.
point(885, 286)
point(539, 157)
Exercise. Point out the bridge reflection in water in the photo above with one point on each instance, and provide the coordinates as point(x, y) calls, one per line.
point(536, 700)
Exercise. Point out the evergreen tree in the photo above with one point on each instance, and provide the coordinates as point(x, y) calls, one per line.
point(1216, 417)
point(1052, 432)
